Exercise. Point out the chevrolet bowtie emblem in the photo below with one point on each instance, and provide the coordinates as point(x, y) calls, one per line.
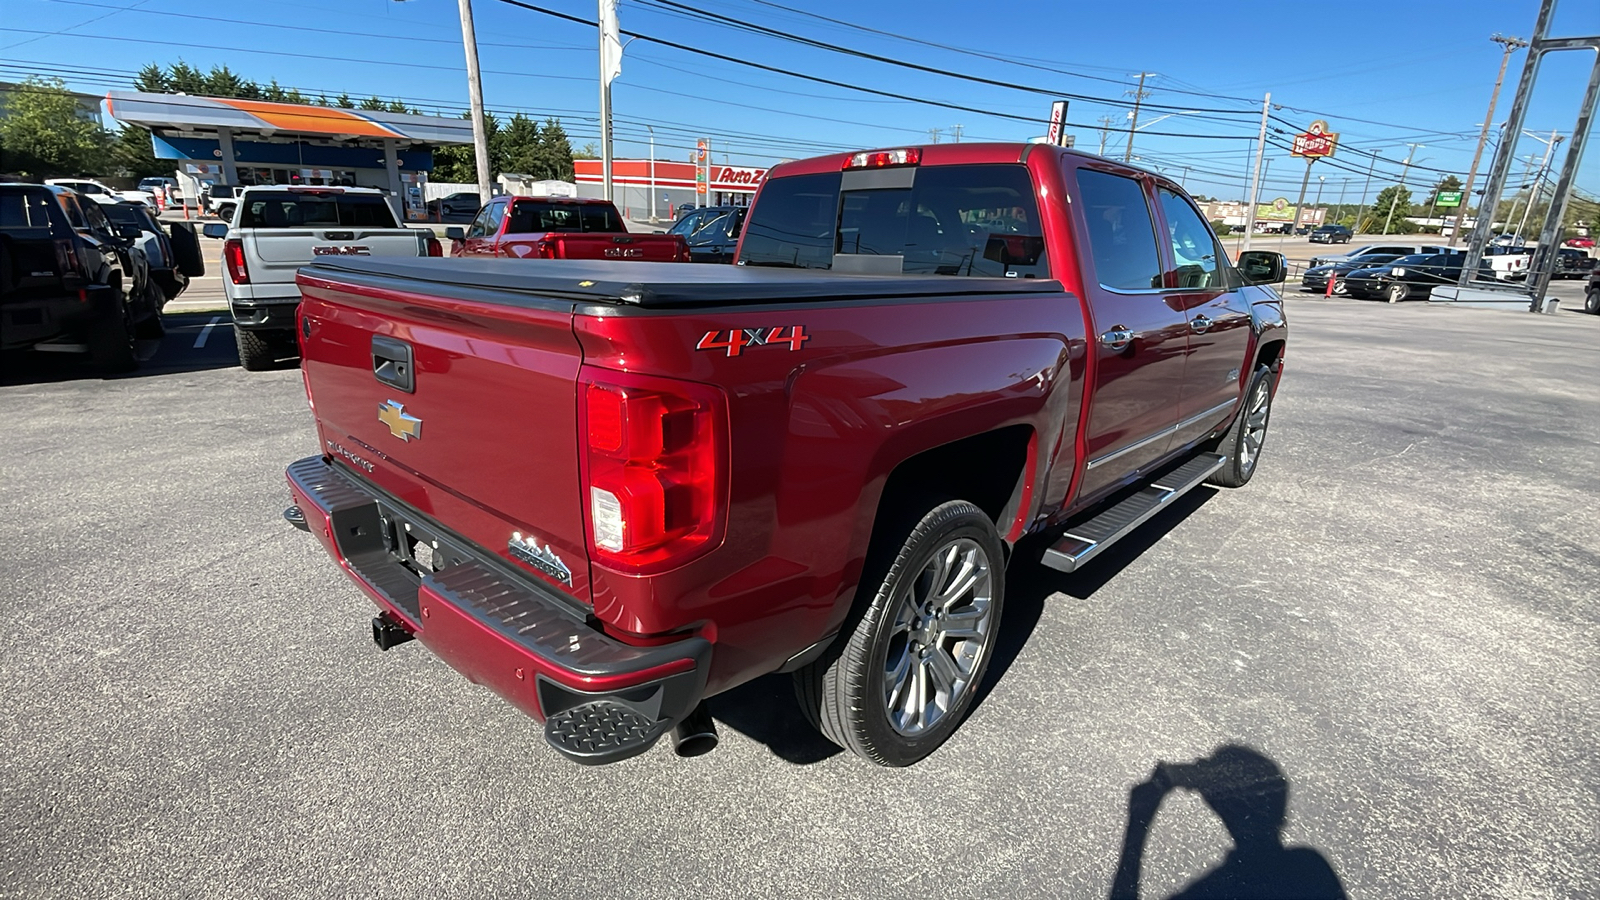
point(403, 426)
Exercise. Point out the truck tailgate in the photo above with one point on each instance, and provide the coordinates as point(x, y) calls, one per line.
point(558, 245)
point(486, 438)
point(279, 252)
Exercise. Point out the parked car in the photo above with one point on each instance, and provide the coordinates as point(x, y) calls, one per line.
point(1331, 234)
point(1389, 249)
point(1509, 262)
point(173, 252)
point(560, 228)
point(1410, 277)
point(220, 200)
point(608, 491)
point(1315, 279)
point(277, 230)
point(715, 241)
point(692, 219)
point(90, 187)
point(1572, 263)
point(1302, 230)
point(461, 206)
point(69, 280)
point(1581, 243)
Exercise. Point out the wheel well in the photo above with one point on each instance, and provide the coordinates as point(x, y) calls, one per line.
point(1269, 354)
point(985, 470)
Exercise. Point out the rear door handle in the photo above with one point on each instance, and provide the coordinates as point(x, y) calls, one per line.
point(392, 363)
point(1200, 323)
point(1118, 338)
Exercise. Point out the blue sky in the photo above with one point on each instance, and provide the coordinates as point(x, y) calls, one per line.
point(1382, 74)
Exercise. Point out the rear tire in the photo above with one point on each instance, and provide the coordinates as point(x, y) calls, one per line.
point(257, 353)
point(111, 340)
point(1247, 434)
point(1591, 303)
point(904, 671)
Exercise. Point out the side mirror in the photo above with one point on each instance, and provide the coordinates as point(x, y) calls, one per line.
point(1262, 267)
point(130, 232)
point(455, 233)
point(214, 230)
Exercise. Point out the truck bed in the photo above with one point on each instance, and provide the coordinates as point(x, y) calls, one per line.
point(653, 285)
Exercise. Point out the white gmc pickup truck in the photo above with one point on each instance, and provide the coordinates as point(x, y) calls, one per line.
point(277, 229)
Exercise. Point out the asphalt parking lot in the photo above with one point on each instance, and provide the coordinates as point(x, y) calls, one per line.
point(1400, 612)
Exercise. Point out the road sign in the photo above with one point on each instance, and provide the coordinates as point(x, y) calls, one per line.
point(1448, 199)
point(1316, 141)
point(1058, 118)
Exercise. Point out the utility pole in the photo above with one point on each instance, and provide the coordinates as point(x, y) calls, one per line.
point(1133, 120)
point(1321, 180)
point(1300, 203)
point(1105, 128)
point(1538, 180)
point(610, 68)
point(652, 173)
point(1404, 170)
point(933, 135)
point(1342, 185)
point(1255, 181)
point(1511, 44)
point(956, 129)
point(1361, 210)
point(480, 136)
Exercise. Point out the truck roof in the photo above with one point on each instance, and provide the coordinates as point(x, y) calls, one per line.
point(976, 153)
point(652, 284)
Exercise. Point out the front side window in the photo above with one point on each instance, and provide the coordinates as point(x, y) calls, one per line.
point(497, 214)
point(1194, 250)
point(1122, 238)
point(480, 225)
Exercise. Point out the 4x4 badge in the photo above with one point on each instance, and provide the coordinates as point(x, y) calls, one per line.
point(401, 424)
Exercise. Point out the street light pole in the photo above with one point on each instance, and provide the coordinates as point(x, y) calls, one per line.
point(1394, 201)
point(480, 136)
point(1510, 44)
point(610, 68)
point(1321, 180)
point(1342, 185)
point(1538, 180)
point(1255, 182)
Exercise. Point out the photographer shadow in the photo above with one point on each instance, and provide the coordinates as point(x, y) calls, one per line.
point(1250, 794)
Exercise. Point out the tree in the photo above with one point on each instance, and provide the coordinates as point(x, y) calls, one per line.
point(344, 101)
point(555, 151)
point(520, 149)
point(1392, 206)
point(45, 135)
point(458, 164)
point(589, 151)
point(374, 104)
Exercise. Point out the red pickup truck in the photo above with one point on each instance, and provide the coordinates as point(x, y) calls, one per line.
point(560, 228)
point(608, 492)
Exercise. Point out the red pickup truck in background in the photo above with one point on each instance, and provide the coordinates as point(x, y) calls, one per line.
point(608, 492)
point(560, 228)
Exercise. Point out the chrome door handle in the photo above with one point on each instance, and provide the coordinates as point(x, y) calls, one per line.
point(1117, 338)
point(1200, 324)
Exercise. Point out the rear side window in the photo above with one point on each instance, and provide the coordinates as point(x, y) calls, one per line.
point(294, 209)
point(1122, 236)
point(24, 209)
point(793, 222)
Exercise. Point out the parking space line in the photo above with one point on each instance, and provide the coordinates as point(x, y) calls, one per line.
point(206, 332)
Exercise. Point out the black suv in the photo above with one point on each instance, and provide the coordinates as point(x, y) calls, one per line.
point(1331, 234)
point(69, 279)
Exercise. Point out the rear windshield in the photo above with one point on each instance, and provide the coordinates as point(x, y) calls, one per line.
point(979, 220)
point(294, 209)
point(24, 209)
point(534, 217)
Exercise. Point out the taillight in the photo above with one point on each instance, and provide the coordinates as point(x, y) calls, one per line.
point(656, 465)
point(67, 257)
point(434, 247)
point(877, 159)
point(233, 256)
point(683, 251)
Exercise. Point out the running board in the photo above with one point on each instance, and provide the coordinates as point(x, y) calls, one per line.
point(1084, 541)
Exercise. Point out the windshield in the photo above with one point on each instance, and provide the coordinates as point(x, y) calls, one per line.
point(300, 209)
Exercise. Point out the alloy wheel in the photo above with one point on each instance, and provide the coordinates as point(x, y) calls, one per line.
point(1255, 424)
point(940, 634)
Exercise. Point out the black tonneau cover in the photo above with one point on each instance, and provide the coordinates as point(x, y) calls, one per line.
point(656, 285)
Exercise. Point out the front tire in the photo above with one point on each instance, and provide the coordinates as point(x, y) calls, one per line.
point(1398, 293)
point(1591, 303)
point(1247, 434)
point(901, 678)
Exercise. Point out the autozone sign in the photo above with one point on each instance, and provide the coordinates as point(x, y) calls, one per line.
point(737, 177)
point(1315, 141)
